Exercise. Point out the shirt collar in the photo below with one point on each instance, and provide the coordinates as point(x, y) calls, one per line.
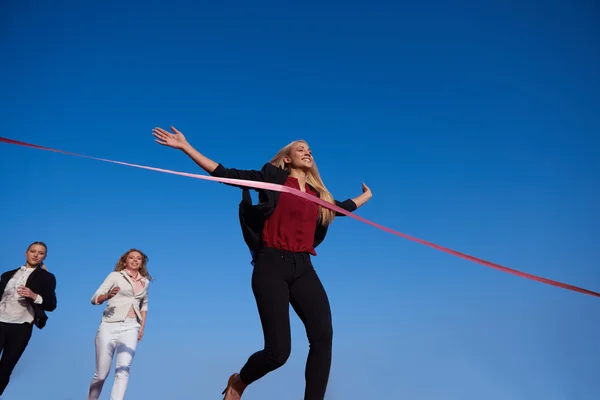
point(126, 276)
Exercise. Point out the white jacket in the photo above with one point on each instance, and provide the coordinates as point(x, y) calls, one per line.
point(118, 306)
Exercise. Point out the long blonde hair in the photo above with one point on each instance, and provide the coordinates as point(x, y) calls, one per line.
point(312, 178)
point(143, 268)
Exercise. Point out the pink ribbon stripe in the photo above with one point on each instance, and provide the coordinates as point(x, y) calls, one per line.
point(296, 192)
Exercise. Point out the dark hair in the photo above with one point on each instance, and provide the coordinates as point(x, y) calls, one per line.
point(40, 243)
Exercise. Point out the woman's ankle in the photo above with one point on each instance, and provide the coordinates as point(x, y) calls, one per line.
point(238, 384)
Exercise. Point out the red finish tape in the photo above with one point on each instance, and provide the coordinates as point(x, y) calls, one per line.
point(281, 188)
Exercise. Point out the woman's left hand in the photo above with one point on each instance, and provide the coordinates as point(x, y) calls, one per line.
point(26, 292)
point(364, 197)
point(366, 190)
point(140, 333)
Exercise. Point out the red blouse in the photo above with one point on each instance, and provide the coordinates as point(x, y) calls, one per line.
point(293, 224)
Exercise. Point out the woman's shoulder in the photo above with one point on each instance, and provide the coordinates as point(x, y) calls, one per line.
point(47, 274)
point(273, 173)
point(9, 272)
point(114, 275)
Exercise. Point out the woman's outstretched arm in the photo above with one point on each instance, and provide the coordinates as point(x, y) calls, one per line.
point(176, 140)
point(352, 204)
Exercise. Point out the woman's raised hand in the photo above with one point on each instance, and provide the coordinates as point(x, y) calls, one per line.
point(364, 197)
point(175, 140)
point(365, 189)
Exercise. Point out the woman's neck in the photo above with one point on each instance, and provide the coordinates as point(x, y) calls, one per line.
point(298, 174)
point(132, 273)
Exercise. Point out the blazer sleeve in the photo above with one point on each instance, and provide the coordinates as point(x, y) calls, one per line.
point(106, 286)
point(49, 293)
point(244, 174)
point(347, 205)
point(144, 302)
point(4, 280)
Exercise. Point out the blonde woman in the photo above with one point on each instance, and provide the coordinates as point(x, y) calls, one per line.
point(123, 321)
point(282, 232)
point(26, 293)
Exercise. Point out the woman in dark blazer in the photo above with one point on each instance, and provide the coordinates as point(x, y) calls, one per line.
point(26, 293)
point(282, 232)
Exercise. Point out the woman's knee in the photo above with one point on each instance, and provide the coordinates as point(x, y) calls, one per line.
point(122, 371)
point(101, 376)
point(278, 356)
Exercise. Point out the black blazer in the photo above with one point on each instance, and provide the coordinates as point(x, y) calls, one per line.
point(253, 217)
point(41, 282)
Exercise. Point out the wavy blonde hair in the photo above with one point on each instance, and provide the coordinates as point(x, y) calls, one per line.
point(143, 269)
point(312, 178)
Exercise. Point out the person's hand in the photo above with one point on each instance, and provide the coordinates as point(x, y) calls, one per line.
point(140, 333)
point(113, 292)
point(366, 190)
point(26, 292)
point(175, 140)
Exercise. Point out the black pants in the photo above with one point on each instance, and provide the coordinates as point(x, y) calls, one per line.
point(13, 341)
point(281, 278)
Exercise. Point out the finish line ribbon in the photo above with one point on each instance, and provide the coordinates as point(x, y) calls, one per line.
point(296, 192)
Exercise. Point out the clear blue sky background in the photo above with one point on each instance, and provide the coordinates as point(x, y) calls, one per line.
point(476, 124)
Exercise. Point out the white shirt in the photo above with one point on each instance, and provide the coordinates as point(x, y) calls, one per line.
point(15, 309)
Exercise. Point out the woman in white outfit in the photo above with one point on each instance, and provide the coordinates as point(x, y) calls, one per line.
point(122, 326)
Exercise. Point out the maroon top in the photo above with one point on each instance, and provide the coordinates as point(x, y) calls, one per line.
point(292, 225)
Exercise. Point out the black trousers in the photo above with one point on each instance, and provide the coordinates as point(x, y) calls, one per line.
point(281, 278)
point(13, 341)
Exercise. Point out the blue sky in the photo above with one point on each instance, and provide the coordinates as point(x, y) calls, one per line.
point(476, 125)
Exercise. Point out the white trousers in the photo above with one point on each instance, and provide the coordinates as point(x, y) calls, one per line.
point(111, 336)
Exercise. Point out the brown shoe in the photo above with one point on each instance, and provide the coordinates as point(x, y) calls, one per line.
point(229, 389)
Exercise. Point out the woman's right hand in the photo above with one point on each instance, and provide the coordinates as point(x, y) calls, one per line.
point(113, 292)
point(175, 140)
